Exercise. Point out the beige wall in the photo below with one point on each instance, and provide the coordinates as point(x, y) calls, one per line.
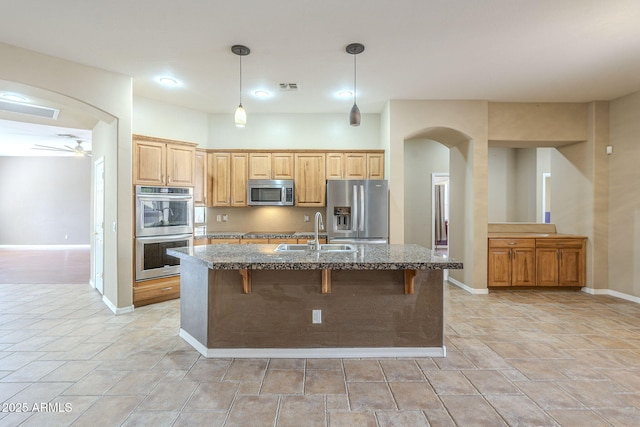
point(515, 182)
point(107, 97)
point(294, 131)
point(624, 196)
point(545, 122)
point(422, 158)
point(462, 126)
point(154, 118)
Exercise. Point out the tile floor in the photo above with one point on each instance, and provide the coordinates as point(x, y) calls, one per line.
point(525, 358)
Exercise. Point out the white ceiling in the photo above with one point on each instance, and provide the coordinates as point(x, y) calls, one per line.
point(497, 50)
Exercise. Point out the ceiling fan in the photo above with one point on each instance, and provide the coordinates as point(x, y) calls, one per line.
point(77, 150)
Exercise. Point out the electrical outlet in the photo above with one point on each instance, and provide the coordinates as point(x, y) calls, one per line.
point(225, 218)
point(306, 218)
point(316, 316)
point(66, 236)
point(218, 218)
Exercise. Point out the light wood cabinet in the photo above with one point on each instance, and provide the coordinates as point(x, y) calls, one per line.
point(156, 290)
point(270, 165)
point(200, 184)
point(228, 174)
point(310, 184)
point(282, 240)
point(162, 162)
point(554, 261)
point(560, 262)
point(282, 166)
point(511, 262)
point(259, 165)
point(355, 165)
point(333, 165)
point(222, 241)
point(201, 241)
point(375, 165)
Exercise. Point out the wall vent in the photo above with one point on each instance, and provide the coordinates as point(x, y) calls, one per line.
point(29, 109)
point(288, 87)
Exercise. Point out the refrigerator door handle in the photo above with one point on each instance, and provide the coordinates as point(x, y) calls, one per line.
point(354, 220)
point(362, 209)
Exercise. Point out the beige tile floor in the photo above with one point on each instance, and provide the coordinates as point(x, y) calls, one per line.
point(518, 358)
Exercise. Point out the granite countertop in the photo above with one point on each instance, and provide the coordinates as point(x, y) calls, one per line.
point(528, 235)
point(202, 233)
point(367, 257)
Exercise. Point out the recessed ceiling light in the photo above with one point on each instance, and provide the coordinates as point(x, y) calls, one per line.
point(169, 81)
point(14, 97)
point(345, 94)
point(261, 93)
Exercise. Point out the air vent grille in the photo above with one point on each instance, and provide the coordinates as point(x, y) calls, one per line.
point(288, 87)
point(31, 110)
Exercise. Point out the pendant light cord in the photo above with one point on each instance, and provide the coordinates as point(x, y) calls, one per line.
point(240, 79)
point(355, 67)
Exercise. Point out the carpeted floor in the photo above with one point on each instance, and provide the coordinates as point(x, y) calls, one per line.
point(44, 265)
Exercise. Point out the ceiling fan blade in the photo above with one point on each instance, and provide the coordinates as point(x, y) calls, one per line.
point(44, 147)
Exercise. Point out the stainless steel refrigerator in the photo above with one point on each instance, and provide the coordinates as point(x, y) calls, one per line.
point(357, 211)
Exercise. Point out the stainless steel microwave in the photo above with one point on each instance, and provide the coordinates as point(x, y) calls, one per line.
point(270, 192)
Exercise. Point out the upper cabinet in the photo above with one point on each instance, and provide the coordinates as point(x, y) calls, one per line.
point(229, 170)
point(375, 165)
point(200, 184)
point(162, 162)
point(228, 174)
point(310, 182)
point(355, 165)
point(282, 166)
point(270, 165)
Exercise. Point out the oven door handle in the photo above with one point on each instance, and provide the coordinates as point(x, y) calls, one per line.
point(164, 198)
point(165, 238)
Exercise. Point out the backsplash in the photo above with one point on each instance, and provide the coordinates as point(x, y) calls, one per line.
point(263, 218)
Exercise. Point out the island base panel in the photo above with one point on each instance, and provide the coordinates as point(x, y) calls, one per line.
point(365, 309)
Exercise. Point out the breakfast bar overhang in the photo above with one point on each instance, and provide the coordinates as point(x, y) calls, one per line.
point(251, 301)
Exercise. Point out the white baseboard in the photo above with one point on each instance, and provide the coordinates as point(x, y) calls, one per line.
point(612, 293)
point(45, 247)
point(117, 311)
point(467, 288)
point(313, 353)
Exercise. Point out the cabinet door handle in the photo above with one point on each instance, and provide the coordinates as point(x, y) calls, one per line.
point(513, 243)
point(167, 289)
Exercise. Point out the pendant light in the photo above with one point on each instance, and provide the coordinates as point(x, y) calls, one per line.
point(240, 116)
point(354, 116)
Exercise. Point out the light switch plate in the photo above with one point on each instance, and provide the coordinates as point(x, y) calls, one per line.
point(316, 316)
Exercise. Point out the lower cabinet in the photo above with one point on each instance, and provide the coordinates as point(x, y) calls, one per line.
point(511, 262)
point(560, 262)
point(536, 262)
point(156, 290)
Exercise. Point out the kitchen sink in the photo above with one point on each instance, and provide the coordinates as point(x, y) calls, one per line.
point(325, 247)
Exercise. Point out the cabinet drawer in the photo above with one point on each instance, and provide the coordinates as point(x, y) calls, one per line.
point(559, 243)
point(512, 243)
point(223, 241)
point(152, 291)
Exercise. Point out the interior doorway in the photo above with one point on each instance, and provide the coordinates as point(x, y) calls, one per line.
point(546, 197)
point(440, 211)
point(98, 225)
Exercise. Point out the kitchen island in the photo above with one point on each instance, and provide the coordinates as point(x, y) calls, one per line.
point(251, 301)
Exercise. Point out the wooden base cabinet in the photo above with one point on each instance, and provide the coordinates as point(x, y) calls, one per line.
point(536, 262)
point(560, 262)
point(511, 262)
point(156, 290)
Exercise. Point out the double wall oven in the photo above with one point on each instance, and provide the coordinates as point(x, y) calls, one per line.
point(164, 220)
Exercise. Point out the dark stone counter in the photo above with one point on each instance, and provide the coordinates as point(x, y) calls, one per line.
point(366, 312)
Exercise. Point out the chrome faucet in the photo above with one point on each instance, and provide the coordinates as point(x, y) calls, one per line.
point(314, 244)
